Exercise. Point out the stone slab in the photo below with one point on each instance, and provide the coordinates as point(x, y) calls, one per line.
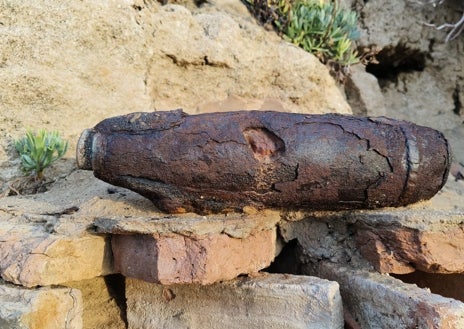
point(49, 238)
point(267, 301)
point(200, 259)
point(381, 301)
point(232, 224)
point(402, 242)
point(30, 256)
point(51, 308)
point(422, 237)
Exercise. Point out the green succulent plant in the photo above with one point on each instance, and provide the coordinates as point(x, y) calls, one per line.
point(319, 27)
point(323, 29)
point(39, 150)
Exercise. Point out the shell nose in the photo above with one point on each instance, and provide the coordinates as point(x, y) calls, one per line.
point(84, 150)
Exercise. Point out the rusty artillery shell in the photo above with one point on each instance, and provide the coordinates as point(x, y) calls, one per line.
point(219, 162)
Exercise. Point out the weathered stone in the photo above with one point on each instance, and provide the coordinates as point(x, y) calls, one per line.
point(265, 301)
point(382, 257)
point(103, 302)
point(322, 236)
point(46, 240)
point(259, 65)
point(190, 225)
point(380, 301)
point(33, 257)
point(198, 259)
point(222, 162)
point(421, 237)
point(400, 242)
point(51, 308)
point(420, 74)
point(236, 103)
point(363, 93)
point(447, 285)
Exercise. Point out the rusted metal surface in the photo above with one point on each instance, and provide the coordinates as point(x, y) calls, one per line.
point(220, 162)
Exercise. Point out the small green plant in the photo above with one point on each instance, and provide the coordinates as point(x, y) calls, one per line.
point(319, 27)
point(38, 151)
point(325, 30)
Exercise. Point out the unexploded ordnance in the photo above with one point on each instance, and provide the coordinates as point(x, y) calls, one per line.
point(218, 162)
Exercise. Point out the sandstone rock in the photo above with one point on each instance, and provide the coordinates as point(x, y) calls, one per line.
point(236, 103)
point(420, 75)
point(95, 67)
point(33, 257)
point(190, 248)
point(124, 56)
point(202, 259)
point(404, 241)
point(103, 302)
point(259, 65)
point(51, 308)
point(380, 301)
point(45, 239)
point(190, 225)
point(427, 236)
point(269, 301)
point(363, 93)
point(322, 236)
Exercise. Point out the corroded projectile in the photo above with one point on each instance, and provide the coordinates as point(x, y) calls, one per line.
point(220, 162)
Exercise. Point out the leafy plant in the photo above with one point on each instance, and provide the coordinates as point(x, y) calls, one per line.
point(325, 30)
point(38, 151)
point(319, 27)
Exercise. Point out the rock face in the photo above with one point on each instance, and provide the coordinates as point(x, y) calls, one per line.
point(261, 67)
point(420, 76)
point(266, 301)
point(33, 257)
point(394, 244)
point(119, 57)
point(396, 241)
point(380, 301)
point(103, 301)
point(51, 308)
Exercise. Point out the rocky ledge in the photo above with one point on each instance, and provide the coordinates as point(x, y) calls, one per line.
point(107, 231)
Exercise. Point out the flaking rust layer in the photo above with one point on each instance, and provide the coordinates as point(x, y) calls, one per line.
point(220, 162)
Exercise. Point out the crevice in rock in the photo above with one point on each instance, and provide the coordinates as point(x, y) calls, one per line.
point(447, 285)
point(205, 61)
point(288, 261)
point(457, 101)
point(116, 285)
point(393, 60)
